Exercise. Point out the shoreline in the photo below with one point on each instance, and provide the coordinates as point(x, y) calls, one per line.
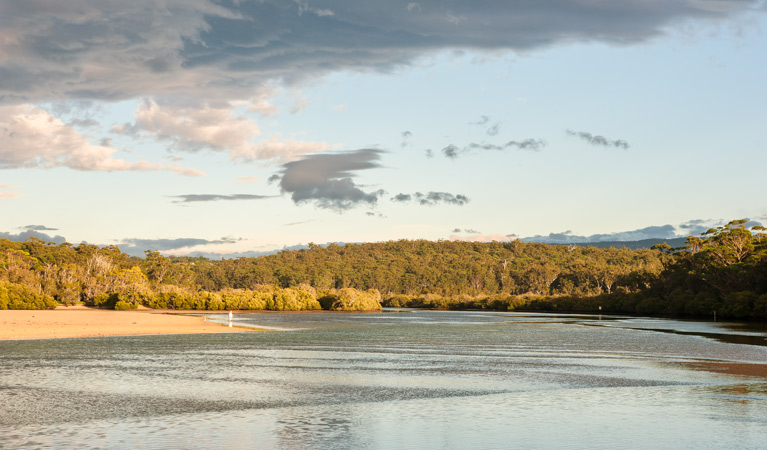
point(81, 321)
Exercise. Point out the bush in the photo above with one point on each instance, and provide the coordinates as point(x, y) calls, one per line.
point(19, 296)
point(349, 299)
point(122, 305)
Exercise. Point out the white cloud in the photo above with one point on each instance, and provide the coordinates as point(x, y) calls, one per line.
point(31, 137)
point(215, 128)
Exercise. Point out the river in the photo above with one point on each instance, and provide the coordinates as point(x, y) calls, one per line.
point(392, 380)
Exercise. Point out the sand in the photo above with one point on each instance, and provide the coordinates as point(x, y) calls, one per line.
point(79, 321)
point(733, 368)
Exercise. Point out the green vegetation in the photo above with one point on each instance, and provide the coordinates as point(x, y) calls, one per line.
point(723, 271)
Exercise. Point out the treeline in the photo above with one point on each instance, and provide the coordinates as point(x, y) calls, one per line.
point(723, 271)
point(443, 268)
point(36, 275)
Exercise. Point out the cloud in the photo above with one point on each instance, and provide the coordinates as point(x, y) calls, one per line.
point(193, 198)
point(402, 198)
point(482, 238)
point(136, 247)
point(698, 226)
point(453, 151)
point(599, 140)
point(37, 228)
point(327, 179)
point(32, 233)
point(466, 230)
point(413, 6)
point(248, 180)
point(7, 195)
point(298, 223)
point(432, 198)
point(406, 136)
point(112, 50)
point(483, 120)
point(492, 130)
point(31, 137)
point(567, 237)
point(214, 128)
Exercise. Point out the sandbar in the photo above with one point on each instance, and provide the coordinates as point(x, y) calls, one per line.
point(80, 321)
point(734, 368)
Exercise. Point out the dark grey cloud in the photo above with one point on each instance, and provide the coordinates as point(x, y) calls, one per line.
point(327, 179)
point(432, 198)
point(452, 151)
point(33, 233)
point(599, 140)
point(493, 130)
point(192, 198)
point(483, 120)
point(466, 230)
point(223, 49)
point(402, 198)
point(136, 247)
point(429, 153)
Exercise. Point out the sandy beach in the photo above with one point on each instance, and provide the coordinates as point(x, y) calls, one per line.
point(79, 321)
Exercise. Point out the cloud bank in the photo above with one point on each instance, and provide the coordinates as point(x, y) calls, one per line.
point(33, 233)
point(112, 50)
point(136, 247)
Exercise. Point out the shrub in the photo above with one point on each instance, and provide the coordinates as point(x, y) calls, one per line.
point(349, 299)
point(19, 296)
point(122, 305)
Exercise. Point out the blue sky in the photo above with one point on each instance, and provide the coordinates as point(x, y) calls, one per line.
point(234, 127)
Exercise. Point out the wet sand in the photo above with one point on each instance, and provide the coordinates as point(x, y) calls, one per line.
point(79, 321)
point(732, 368)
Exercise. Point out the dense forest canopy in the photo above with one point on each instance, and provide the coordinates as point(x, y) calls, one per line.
point(724, 269)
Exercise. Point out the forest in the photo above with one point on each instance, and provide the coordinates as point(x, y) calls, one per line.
point(723, 271)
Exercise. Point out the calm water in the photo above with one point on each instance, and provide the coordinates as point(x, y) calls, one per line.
point(399, 379)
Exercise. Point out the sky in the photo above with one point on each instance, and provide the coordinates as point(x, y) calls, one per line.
point(233, 128)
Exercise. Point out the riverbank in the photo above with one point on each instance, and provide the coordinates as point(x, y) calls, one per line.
point(80, 321)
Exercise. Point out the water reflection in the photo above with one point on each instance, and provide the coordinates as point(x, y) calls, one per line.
point(418, 379)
